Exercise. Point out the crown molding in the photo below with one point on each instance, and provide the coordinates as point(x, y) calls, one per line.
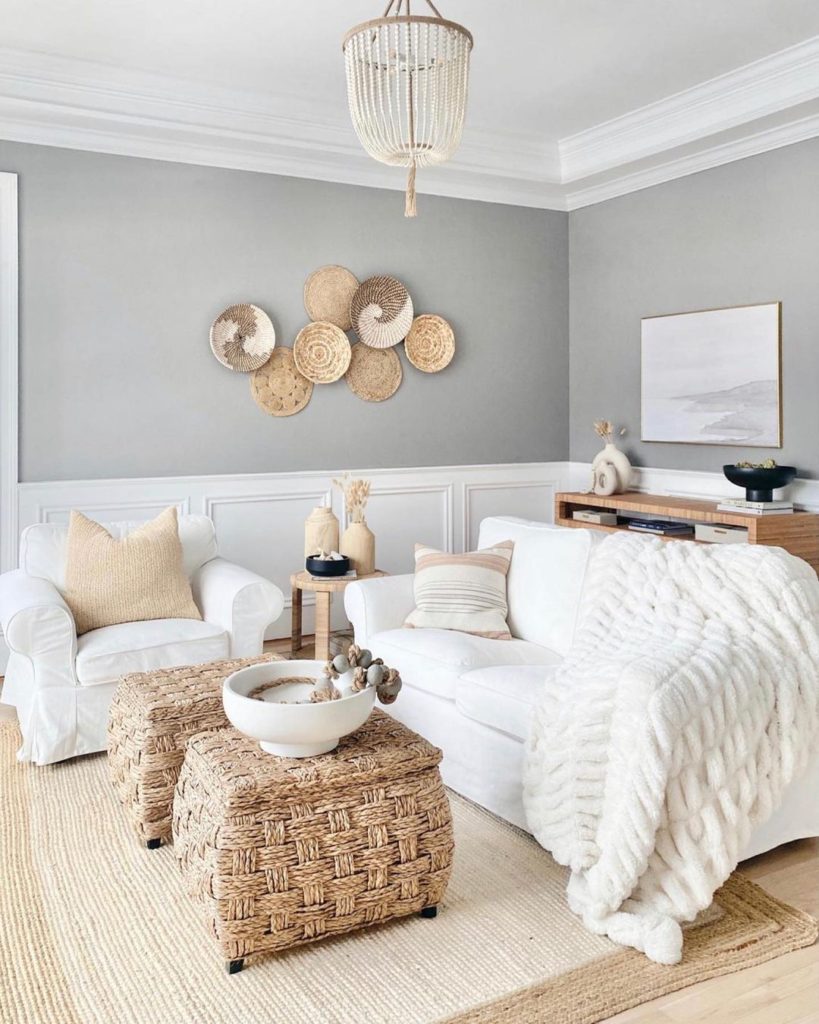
point(715, 156)
point(87, 105)
point(767, 86)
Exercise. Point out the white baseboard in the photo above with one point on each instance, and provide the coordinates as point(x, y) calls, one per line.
point(260, 517)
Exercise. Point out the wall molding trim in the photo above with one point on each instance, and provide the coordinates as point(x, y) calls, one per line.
point(260, 516)
point(9, 374)
point(768, 86)
point(86, 105)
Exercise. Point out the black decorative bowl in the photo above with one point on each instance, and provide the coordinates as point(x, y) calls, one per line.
point(760, 484)
point(327, 567)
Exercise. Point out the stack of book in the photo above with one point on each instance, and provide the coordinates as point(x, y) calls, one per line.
point(755, 508)
point(665, 527)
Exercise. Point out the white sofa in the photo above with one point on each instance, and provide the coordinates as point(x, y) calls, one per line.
point(474, 697)
point(62, 684)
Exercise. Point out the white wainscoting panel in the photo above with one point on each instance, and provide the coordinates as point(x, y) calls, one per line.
point(259, 518)
point(528, 499)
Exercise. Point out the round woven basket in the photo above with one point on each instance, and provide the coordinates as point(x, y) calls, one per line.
point(375, 373)
point(328, 292)
point(322, 352)
point(430, 344)
point(242, 337)
point(381, 312)
point(278, 388)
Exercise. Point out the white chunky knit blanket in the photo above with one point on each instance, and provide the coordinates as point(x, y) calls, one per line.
point(689, 700)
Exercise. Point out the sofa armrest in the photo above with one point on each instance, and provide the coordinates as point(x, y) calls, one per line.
point(374, 606)
point(240, 601)
point(38, 624)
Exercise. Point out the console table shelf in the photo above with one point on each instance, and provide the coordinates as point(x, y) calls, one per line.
point(797, 532)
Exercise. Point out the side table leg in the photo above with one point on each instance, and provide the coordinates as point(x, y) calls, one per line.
point(322, 626)
point(295, 623)
point(429, 912)
point(234, 966)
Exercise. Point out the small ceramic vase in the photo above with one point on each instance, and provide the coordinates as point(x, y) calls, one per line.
point(358, 544)
point(612, 454)
point(320, 531)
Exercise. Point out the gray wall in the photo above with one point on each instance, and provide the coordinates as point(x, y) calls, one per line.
point(744, 233)
point(124, 263)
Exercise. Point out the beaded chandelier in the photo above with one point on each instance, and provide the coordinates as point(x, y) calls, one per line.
point(407, 79)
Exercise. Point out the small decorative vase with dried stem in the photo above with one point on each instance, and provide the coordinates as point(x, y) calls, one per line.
point(610, 454)
point(358, 542)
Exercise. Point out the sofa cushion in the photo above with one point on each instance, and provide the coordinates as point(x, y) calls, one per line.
point(545, 578)
point(503, 696)
point(465, 592)
point(43, 546)
point(104, 655)
point(111, 580)
point(434, 659)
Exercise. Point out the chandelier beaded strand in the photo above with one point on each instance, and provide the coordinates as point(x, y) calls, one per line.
point(407, 84)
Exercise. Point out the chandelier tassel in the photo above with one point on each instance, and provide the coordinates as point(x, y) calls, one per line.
point(410, 209)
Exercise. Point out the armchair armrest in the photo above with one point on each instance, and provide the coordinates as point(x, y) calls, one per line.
point(374, 606)
point(240, 601)
point(38, 624)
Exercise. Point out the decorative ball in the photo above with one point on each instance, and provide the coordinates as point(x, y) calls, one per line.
point(375, 675)
point(341, 664)
point(365, 658)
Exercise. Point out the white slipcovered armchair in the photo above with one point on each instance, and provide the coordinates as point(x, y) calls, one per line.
point(62, 684)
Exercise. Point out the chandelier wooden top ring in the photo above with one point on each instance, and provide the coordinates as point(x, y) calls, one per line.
point(407, 84)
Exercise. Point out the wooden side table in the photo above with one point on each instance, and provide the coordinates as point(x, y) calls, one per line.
point(324, 590)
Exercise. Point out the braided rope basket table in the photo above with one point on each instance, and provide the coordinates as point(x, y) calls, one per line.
point(151, 718)
point(282, 852)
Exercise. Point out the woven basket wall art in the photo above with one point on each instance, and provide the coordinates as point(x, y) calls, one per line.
point(430, 344)
point(278, 388)
point(381, 312)
point(322, 352)
point(242, 337)
point(328, 292)
point(375, 373)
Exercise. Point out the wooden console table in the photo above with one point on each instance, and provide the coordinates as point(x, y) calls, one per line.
point(324, 590)
point(797, 532)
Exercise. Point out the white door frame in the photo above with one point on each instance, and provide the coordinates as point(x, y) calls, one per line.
point(9, 372)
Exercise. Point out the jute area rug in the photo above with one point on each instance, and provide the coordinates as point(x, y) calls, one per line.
point(95, 928)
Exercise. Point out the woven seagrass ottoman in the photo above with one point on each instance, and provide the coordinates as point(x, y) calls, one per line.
point(151, 718)
point(282, 852)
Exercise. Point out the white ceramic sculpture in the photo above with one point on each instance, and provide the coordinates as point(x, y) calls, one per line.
point(612, 456)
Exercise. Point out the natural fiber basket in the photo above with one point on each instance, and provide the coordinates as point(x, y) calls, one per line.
point(322, 352)
point(430, 344)
point(375, 373)
point(279, 852)
point(381, 312)
point(328, 292)
point(278, 388)
point(242, 337)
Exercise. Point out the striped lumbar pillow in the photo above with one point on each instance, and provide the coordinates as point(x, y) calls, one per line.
point(464, 592)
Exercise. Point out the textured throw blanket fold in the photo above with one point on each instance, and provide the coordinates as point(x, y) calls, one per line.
point(690, 699)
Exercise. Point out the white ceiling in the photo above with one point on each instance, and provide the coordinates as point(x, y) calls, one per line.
point(542, 72)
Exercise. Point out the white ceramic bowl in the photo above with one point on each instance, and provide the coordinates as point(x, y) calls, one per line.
point(292, 730)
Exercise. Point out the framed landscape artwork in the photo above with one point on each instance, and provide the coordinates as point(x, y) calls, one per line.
point(713, 377)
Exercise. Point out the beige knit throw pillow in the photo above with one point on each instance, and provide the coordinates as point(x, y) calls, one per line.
point(139, 577)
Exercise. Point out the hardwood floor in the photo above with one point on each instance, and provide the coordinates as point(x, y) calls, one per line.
point(782, 991)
